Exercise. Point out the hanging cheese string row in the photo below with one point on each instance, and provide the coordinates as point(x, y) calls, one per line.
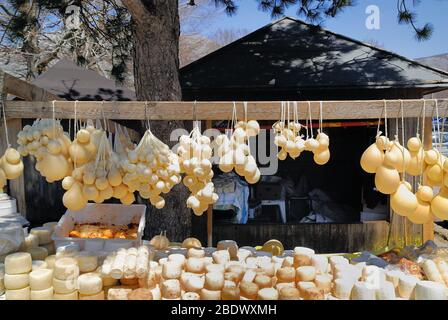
point(194, 154)
point(11, 165)
point(235, 152)
point(322, 153)
point(288, 136)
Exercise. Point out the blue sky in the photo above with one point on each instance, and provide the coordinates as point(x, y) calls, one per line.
point(351, 23)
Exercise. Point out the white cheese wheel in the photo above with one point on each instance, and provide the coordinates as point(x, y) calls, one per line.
point(210, 294)
point(43, 233)
point(192, 282)
point(320, 263)
point(177, 257)
point(288, 262)
point(195, 265)
point(118, 293)
point(323, 282)
point(342, 288)
point(17, 263)
point(87, 261)
point(97, 296)
point(39, 253)
point(90, 284)
point(431, 271)
point(386, 291)
point(170, 289)
point(195, 253)
point(430, 290)
point(20, 294)
point(393, 276)
point(362, 291)
point(191, 296)
point(286, 274)
point(268, 268)
point(41, 279)
point(304, 251)
point(306, 273)
point(64, 286)
point(39, 264)
point(66, 296)
point(303, 285)
point(221, 257)
point(50, 260)
point(51, 249)
point(16, 281)
point(45, 294)
point(268, 294)
point(406, 286)
point(171, 270)
point(50, 225)
point(31, 241)
point(214, 268)
point(214, 281)
point(66, 269)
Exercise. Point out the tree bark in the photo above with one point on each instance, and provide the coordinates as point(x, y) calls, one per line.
point(156, 71)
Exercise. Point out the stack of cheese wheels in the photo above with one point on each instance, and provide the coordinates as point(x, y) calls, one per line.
point(41, 284)
point(65, 275)
point(194, 158)
point(45, 242)
point(235, 152)
point(288, 139)
point(90, 287)
point(151, 169)
point(11, 166)
point(87, 261)
point(16, 279)
point(49, 144)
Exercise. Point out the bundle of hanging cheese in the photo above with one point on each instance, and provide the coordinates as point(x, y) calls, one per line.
point(194, 158)
point(11, 166)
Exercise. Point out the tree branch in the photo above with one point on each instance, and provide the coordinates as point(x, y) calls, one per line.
point(137, 9)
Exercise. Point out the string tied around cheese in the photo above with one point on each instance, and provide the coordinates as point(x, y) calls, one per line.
point(423, 140)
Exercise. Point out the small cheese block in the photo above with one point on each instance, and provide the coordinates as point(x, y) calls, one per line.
point(66, 268)
point(129, 282)
point(249, 276)
point(363, 291)
point(313, 294)
point(20, 294)
point(230, 293)
point(170, 289)
point(195, 253)
point(66, 296)
point(228, 283)
point(51, 249)
point(243, 254)
point(306, 273)
point(302, 285)
point(281, 285)
point(118, 293)
point(171, 270)
point(195, 265)
point(232, 277)
point(406, 286)
point(210, 294)
point(386, 291)
point(44, 294)
point(335, 260)
point(140, 294)
point(50, 261)
point(214, 268)
point(43, 233)
point(239, 270)
point(98, 296)
point(301, 260)
point(87, 261)
point(16, 281)
point(214, 281)
point(30, 241)
point(39, 264)
point(267, 294)
point(320, 263)
point(64, 286)
point(373, 275)
point(39, 253)
point(19, 262)
point(41, 279)
point(179, 258)
point(268, 268)
point(221, 257)
point(89, 284)
point(156, 293)
point(289, 293)
point(108, 281)
point(191, 296)
point(248, 290)
point(342, 288)
point(229, 245)
point(393, 276)
point(304, 251)
point(430, 290)
point(432, 272)
point(288, 262)
point(323, 282)
point(263, 281)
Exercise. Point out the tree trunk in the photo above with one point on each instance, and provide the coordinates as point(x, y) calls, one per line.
point(156, 71)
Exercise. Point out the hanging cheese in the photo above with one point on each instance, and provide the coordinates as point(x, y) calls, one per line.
point(17, 263)
point(439, 204)
point(44, 294)
point(41, 279)
point(403, 201)
point(387, 178)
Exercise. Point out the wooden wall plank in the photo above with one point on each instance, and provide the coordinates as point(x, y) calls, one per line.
point(216, 110)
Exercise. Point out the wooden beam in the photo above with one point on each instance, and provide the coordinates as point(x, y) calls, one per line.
point(428, 228)
point(218, 110)
point(26, 90)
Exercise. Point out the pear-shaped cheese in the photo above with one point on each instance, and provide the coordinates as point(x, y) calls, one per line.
point(403, 201)
point(55, 167)
point(372, 158)
point(439, 205)
point(321, 157)
point(387, 179)
point(74, 199)
point(422, 213)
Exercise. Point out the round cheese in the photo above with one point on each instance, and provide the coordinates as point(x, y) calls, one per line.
point(221, 257)
point(430, 290)
point(263, 281)
point(362, 291)
point(64, 286)
point(267, 294)
point(66, 296)
point(118, 293)
point(39, 253)
point(177, 257)
point(248, 290)
point(286, 274)
point(342, 288)
point(172, 269)
point(20, 294)
point(320, 263)
point(98, 296)
point(289, 293)
point(16, 281)
point(170, 289)
point(39, 264)
point(214, 268)
point(45, 294)
point(230, 293)
point(193, 283)
point(41, 279)
point(306, 273)
point(323, 282)
point(31, 241)
point(191, 296)
point(43, 233)
point(17, 263)
point(313, 294)
point(195, 265)
point(210, 294)
point(89, 284)
point(50, 248)
point(50, 261)
point(87, 261)
point(195, 253)
point(66, 269)
point(214, 281)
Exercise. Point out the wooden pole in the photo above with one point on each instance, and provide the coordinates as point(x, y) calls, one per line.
point(428, 228)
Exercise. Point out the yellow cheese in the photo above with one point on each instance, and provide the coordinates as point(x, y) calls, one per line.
point(16, 281)
point(17, 263)
point(46, 294)
point(20, 294)
point(41, 279)
point(43, 233)
point(66, 296)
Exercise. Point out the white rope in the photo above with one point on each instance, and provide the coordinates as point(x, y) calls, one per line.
point(423, 141)
point(6, 125)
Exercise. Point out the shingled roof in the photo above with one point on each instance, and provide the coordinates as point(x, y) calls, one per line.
point(292, 54)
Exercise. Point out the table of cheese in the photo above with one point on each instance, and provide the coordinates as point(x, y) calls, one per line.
point(157, 271)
